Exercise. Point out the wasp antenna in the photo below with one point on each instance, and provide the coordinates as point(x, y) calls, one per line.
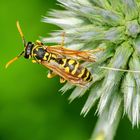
point(21, 33)
point(14, 59)
point(121, 70)
point(10, 62)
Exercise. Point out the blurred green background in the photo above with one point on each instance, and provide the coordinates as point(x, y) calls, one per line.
point(31, 108)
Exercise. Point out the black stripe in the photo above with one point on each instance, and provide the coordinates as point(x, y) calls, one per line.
point(60, 61)
point(49, 57)
point(66, 64)
point(88, 78)
point(85, 73)
point(91, 78)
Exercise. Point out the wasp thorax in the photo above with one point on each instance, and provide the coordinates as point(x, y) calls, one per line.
point(39, 53)
point(28, 49)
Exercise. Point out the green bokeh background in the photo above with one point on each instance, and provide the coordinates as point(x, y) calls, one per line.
point(31, 108)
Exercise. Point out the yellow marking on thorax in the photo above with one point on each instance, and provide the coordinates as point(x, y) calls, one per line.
point(82, 72)
point(49, 57)
point(75, 68)
point(64, 61)
point(46, 54)
point(71, 62)
point(37, 47)
point(67, 69)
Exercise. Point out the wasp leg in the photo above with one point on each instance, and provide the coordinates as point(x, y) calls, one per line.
point(34, 61)
point(51, 74)
point(63, 39)
point(62, 80)
point(96, 50)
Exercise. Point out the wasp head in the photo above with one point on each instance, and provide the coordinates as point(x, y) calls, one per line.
point(28, 50)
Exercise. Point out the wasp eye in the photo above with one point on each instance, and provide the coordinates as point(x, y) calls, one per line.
point(28, 49)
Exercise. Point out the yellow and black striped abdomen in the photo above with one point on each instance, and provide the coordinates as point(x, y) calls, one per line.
point(85, 74)
point(73, 67)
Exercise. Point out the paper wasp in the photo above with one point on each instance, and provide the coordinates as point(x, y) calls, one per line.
point(60, 60)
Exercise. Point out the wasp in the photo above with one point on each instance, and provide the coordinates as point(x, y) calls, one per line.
point(59, 60)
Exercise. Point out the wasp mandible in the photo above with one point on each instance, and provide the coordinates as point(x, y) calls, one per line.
point(59, 60)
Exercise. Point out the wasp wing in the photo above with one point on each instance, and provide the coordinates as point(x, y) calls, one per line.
point(86, 55)
point(61, 72)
